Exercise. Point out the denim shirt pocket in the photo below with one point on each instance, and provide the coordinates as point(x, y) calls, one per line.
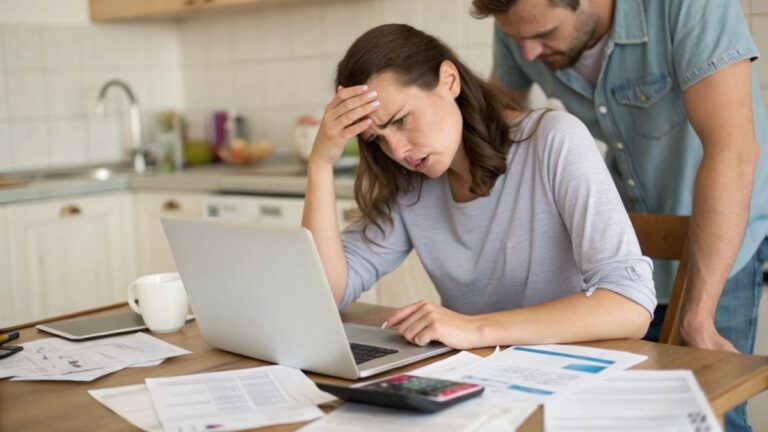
point(654, 108)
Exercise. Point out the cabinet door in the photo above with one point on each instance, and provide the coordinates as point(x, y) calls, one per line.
point(69, 255)
point(152, 252)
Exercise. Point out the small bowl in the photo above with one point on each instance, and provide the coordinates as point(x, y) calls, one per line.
point(248, 154)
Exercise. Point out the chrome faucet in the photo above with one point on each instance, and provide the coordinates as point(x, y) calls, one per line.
point(137, 146)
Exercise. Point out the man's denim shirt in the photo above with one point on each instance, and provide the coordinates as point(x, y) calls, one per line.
point(656, 50)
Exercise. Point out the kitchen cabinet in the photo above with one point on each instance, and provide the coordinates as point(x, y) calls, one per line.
point(67, 256)
point(117, 10)
point(152, 250)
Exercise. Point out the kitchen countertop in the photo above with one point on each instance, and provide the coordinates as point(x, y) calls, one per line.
point(279, 175)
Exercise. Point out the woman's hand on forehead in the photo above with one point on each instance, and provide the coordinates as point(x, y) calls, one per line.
point(345, 116)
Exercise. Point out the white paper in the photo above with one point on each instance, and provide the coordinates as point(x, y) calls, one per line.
point(535, 374)
point(133, 403)
point(473, 415)
point(635, 400)
point(235, 400)
point(447, 366)
point(59, 359)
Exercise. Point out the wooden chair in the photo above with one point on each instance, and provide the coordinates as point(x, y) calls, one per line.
point(665, 237)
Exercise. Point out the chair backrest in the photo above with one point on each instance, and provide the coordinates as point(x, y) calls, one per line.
point(666, 237)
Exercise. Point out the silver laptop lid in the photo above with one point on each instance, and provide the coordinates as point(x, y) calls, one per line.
point(261, 292)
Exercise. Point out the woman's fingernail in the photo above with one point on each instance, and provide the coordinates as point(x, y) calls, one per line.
point(372, 94)
point(375, 104)
point(383, 326)
point(365, 86)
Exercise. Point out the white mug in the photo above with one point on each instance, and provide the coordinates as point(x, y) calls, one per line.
point(162, 301)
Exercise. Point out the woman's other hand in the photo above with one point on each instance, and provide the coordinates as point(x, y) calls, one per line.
point(423, 322)
point(344, 118)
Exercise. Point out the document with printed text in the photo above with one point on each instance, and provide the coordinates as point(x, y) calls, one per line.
point(235, 400)
point(59, 359)
point(633, 401)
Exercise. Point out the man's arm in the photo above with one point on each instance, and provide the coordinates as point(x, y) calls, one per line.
point(719, 108)
point(519, 96)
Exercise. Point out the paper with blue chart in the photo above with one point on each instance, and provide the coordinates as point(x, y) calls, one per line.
point(539, 373)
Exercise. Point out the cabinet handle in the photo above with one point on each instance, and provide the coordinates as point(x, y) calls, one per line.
point(70, 210)
point(352, 214)
point(171, 205)
point(268, 210)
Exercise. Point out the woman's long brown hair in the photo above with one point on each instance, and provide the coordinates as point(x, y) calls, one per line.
point(415, 58)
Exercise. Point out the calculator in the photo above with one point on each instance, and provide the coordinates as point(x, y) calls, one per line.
point(408, 392)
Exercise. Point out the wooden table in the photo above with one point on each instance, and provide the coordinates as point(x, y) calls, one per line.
point(727, 379)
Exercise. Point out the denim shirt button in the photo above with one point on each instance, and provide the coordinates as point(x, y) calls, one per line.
point(602, 109)
point(631, 182)
point(620, 146)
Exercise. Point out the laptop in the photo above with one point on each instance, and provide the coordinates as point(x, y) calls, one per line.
point(262, 292)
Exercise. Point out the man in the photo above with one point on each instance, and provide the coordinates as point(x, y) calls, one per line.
point(671, 88)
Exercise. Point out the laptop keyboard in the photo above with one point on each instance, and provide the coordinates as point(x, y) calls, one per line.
point(363, 353)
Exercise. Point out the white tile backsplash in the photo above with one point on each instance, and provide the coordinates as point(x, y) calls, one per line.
point(31, 144)
point(272, 64)
point(162, 45)
point(280, 83)
point(165, 89)
point(23, 46)
point(248, 85)
point(219, 40)
point(446, 20)
point(399, 12)
point(126, 45)
point(345, 21)
point(26, 94)
point(193, 46)
point(6, 158)
point(220, 88)
point(69, 145)
point(64, 92)
point(272, 34)
point(63, 46)
point(98, 50)
point(197, 87)
point(313, 83)
point(3, 98)
point(306, 31)
point(478, 31)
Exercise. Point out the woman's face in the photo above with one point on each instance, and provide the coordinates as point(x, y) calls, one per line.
point(421, 130)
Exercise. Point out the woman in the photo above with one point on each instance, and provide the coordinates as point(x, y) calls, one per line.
point(513, 214)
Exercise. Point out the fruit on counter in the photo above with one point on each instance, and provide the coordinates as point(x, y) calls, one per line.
point(197, 152)
point(242, 152)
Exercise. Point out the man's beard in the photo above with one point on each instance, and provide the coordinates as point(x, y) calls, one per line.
point(586, 27)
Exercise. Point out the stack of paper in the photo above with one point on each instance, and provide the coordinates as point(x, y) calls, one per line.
point(582, 389)
point(635, 401)
point(231, 400)
point(61, 360)
point(517, 380)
